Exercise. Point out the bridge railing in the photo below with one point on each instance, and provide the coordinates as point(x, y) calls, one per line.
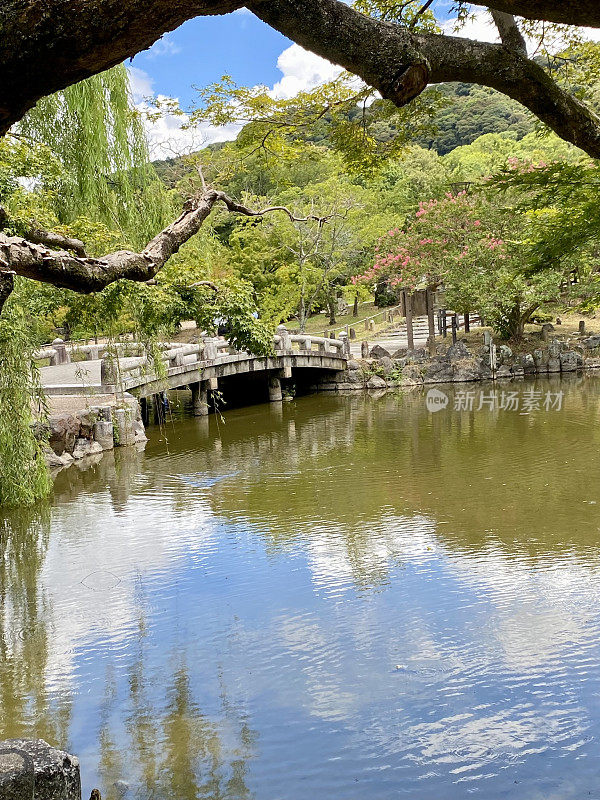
point(212, 350)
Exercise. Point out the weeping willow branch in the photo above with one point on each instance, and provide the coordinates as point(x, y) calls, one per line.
point(37, 261)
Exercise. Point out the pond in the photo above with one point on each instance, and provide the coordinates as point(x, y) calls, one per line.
point(337, 597)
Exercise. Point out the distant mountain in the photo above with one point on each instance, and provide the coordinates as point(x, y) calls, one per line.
point(467, 111)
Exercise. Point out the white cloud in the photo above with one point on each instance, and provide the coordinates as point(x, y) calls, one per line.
point(165, 46)
point(141, 84)
point(479, 27)
point(167, 137)
point(302, 70)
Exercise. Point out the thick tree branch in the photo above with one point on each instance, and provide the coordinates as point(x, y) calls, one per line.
point(46, 45)
point(569, 12)
point(7, 283)
point(83, 274)
point(41, 236)
point(400, 63)
point(509, 31)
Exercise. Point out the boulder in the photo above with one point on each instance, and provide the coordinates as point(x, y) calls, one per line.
point(414, 356)
point(504, 371)
point(438, 371)
point(64, 432)
point(528, 363)
point(103, 434)
point(466, 370)
point(354, 377)
point(375, 382)
point(139, 431)
point(87, 419)
point(503, 354)
point(547, 330)
point(379, 352)
point(412, 374)
point(458, 351)
point(386, 364)
point(30, 769)
point(17, 776)
point(592, 342)
point(123, 426)
point(570, 361)
point(86, 447)
point(540, 359)
point(400, 353)
point(352, 365)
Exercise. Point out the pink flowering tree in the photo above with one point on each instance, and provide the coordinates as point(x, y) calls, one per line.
point(477, 250)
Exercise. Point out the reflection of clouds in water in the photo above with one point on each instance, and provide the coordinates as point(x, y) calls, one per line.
point(201, 480)
point(537, 612)
point(130, 545)
point(341, 556)
point(489, 667)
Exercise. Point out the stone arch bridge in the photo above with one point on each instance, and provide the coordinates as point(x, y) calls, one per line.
point(210, 365)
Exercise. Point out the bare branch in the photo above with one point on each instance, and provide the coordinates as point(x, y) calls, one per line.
point(209, 284)
point(420, 13)
point(40, 236)
point(233, 205)
point(83, 274)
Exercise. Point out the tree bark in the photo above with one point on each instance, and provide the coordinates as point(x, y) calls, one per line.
point(400, 63)
point(7, 283)
point(46, 45)
point(569, 12)
point(509, 31)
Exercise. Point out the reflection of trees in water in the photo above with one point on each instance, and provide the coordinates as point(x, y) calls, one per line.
point(344, 473)
point(172, 750)
point(333, 468)
point(25, 709)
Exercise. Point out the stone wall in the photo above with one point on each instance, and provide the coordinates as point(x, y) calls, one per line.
point(91, 431)
point(459, 364)
point(33, 770)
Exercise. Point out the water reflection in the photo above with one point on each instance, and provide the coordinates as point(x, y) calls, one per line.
point(346, 596)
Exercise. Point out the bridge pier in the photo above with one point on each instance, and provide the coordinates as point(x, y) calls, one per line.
point(145, 411)
point(275, 393)
point(200, 398)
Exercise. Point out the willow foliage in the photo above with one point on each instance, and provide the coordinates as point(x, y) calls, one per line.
point(23, 474)
point(95, 131)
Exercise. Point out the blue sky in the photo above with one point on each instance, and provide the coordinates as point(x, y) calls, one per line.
point(205, 48)
point(202, 50)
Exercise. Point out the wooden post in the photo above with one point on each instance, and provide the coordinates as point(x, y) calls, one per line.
point(467, 323)
point(430, 320)
point(444, 323)
point(582, 327)
point(454, 325)
point(409, 320)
